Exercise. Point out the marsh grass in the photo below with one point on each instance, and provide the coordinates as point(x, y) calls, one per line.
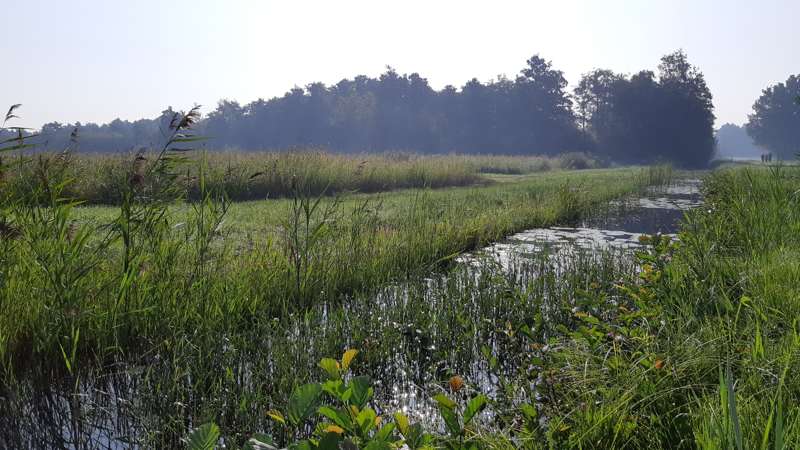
point(101, 179)
point(132, 324)
point(709, 357)
point(154, 319)
point(413, 337)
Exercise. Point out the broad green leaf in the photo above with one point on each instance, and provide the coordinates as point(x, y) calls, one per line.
point(204, 438)
point(377, 445)
point(366, 420)
point(415, 438)
point(302, 445)
point(335, 388)
point(330, 441)
point(338, 416)
point(360, 391)
point(385, 433)
point(303, 402)
point(451, 420)
point(474, 406)
point(331, 366)
point(444, 401)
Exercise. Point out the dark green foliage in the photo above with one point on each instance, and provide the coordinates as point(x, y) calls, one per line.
point(641, 119)
point(645, 119)
point(775, 121)
point(528, 115)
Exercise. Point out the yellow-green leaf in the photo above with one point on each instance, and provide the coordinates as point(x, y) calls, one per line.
point(334, 429)
point(331, 366)
point(402, 422)
point(276, 415)
point(347, 358)
point(444, 401)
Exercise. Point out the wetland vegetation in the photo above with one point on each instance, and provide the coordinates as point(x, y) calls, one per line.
point(506, 265)
point(134, 323)
point(177, 318)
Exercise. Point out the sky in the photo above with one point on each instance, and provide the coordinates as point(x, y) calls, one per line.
point(96, 60)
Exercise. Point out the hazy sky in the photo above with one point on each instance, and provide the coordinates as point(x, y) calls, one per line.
point(95, 60)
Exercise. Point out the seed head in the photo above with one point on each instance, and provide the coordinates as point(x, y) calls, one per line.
point(456, 383)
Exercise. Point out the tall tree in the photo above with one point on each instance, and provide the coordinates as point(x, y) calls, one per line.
point(733, 141)
point(550, 124)
point(689, 126)
point(640, 119)
point(646, 119)
point(775, 121)
point(594, 98)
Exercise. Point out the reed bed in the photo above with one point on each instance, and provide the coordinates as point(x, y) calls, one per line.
point(520, 165)
point(101, 178)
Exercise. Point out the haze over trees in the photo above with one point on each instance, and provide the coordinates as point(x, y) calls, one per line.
point(644, 118)
point(775, 121)
point(647, 118)
point(734, 142)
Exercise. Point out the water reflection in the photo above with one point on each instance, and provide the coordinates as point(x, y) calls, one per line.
point(620, 226)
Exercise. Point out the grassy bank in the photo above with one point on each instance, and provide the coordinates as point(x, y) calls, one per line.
point(126, 277)
point(697, 347)
point(158, 286)
point(700, 349)
point(102, 179)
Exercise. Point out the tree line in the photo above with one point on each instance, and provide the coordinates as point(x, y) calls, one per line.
point(774, 124)
point(642, 118)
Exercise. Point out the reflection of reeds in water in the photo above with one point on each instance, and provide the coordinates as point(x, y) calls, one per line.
point(413, 336)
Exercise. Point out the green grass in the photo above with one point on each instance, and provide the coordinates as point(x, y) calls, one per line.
point(189, 311)
point(517, 197)
point(709, 358)
point(137, 323)
point(208, 259)
point(102, 178)
point(699, 348)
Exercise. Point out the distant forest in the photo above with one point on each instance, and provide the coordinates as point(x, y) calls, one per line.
point(734, 142)
point(643, 118)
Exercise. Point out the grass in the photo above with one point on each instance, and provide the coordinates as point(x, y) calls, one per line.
point(205, 260)
point(709, 358)
point(190, 296)
point(510, 199)
point(101, 179)
point(134, 324)
point(694, 347)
